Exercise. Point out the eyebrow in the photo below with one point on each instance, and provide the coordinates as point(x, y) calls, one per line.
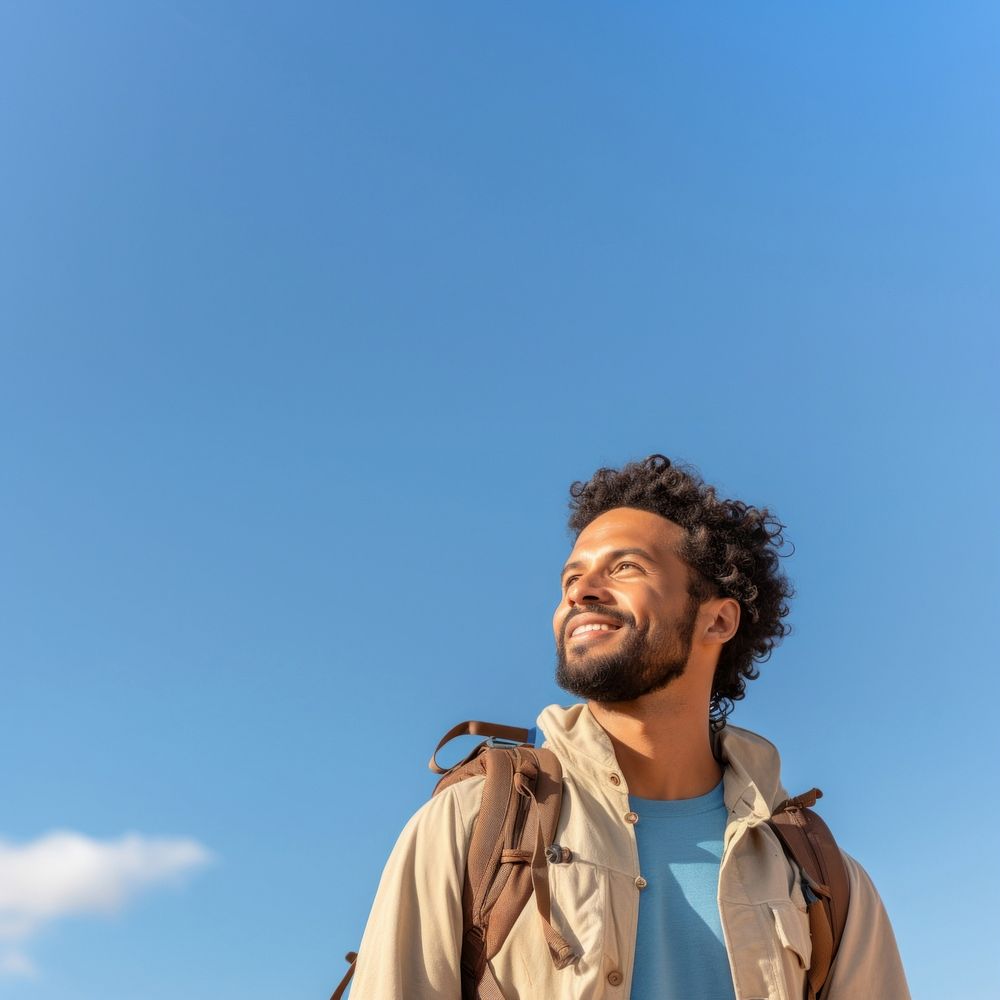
point(616, 554)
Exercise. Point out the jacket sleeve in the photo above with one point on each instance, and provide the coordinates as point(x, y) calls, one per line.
point(411, 948)
point(868, 962)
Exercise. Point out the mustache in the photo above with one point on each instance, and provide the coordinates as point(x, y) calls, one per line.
point(597, 609)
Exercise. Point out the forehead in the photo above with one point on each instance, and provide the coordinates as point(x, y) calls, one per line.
point(626, 528)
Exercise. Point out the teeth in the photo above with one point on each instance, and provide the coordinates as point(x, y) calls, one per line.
point(593, 628)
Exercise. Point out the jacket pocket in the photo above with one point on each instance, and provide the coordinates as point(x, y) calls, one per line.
point(579, 894)
point(792, 927)
point(580, 908)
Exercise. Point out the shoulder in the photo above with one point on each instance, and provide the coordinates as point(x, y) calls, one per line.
point(868, 962)
point(450, 812)
point(863, 891)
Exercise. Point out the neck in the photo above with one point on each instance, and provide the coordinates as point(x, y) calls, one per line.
point(663, 745)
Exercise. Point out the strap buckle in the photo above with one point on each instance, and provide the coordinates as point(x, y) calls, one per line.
point(499, 743)
point(504, 743)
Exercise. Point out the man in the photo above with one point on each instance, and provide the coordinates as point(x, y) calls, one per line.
point(677, 887)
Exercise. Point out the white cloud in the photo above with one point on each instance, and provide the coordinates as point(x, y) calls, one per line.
point(66, 873)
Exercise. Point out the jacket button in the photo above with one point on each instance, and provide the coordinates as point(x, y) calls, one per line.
point(614, 779)
point(631, 817)
point(640, 882)
point(615, 978)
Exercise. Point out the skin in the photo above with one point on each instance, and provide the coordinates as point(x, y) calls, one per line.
point(661, 739)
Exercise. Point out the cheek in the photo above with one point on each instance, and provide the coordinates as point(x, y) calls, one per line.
point(648, 611)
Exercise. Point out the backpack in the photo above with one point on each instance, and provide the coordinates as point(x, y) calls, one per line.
point(512, 843)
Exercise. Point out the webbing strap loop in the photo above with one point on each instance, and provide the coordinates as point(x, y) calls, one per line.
point(491, 730)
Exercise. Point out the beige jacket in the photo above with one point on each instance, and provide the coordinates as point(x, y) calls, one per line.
point(412, 944)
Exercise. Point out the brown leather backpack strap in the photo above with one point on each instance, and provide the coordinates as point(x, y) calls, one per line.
point(807, 840)
point(352, 957)
point(492, 730)
point(506, 861)
point(487, 842)
point(546, 801)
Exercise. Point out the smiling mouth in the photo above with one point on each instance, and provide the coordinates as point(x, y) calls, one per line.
point(593, 631)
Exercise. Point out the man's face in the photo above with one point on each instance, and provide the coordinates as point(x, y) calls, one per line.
point(624, 625)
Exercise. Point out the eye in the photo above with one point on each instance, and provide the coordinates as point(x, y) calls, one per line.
point(632, 565)
point(568, 581)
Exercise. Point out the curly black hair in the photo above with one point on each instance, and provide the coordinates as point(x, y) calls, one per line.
point(732, 549)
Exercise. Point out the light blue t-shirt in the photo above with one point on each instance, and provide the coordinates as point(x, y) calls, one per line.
point(680, 953)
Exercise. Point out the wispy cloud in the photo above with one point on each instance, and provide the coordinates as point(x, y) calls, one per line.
point(66, 873)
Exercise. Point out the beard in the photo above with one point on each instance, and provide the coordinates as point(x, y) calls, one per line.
point(637, 665)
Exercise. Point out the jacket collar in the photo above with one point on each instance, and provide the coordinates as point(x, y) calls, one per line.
point(751, 783)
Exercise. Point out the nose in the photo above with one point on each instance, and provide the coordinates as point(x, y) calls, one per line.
point(588, 588)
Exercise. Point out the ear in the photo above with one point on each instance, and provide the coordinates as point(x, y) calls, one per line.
point(722, 619)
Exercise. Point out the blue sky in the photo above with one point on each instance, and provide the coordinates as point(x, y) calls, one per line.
point(311, 313)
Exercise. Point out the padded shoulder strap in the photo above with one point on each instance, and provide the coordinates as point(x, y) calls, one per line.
point(807, 840)
point(507, 863)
